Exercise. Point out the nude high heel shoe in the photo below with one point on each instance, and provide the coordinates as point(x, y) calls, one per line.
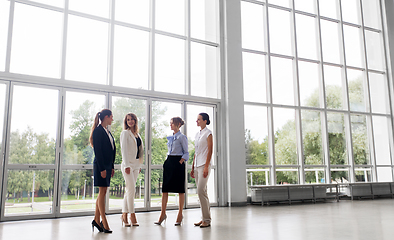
point(161, 220)
point(126, 224)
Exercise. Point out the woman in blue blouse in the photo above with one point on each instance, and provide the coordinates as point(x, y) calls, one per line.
point(174, 169)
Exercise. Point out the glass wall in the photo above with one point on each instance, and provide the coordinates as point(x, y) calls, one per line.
point(316, 92)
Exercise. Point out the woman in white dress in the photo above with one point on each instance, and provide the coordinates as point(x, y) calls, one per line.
point(132, 148)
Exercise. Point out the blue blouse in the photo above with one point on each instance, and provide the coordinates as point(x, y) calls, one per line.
point(178, 146)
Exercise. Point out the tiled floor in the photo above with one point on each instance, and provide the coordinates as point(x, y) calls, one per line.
point(365, 219)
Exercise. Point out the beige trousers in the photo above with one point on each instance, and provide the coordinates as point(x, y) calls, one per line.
point(130, 180)
point(201, 183)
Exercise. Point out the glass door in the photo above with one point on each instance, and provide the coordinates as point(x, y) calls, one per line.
point(32, 153)
point(3, 104)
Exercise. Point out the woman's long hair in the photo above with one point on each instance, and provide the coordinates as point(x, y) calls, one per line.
point(134, 117)
point(100, 115)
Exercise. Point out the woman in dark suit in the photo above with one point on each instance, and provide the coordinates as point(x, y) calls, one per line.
point(104, 148)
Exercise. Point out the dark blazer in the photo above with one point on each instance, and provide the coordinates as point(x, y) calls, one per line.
point(104, 154)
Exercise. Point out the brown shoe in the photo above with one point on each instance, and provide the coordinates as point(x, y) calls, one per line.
point(204, 225)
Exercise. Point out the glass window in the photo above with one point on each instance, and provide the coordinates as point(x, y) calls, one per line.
point(170, 16)
point(99, 8)
point(56, 3)
point(257, 176)
point(371, 13)
point(132, 11)
point(309, 81)
point(87, 42)
point(363, 175)
point(29, 192)
point(306, 37)
point(2, 113)
point(286, 176)
point(312, 138)
point(381, 130)
point(314, 175)
point(330, 37)
point(285, 136)
point(375, 53)
point(204, 70)
point(283, 3)
point(334, 87)
point(256, 135)
point(356, 85)
point(204, 20)
point(379, 93)
point(340, 175)
point(282, 81)
point(162, 112)
point(33, 141)
point(254, 77)
point(305, 5)
point(351, 11)
point(4, 12)
point(280, 31)
point(384, 174)
point(329, 8)
point(360, 139)
point(252, 26)
point(40, 55)
point(169, 65)
point(337, 138)
point(353, 47)
point(131, 58)
point(80, 111)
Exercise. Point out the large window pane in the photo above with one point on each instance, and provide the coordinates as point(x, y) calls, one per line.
point(371, 11)
point(204, 70)
point(169, 65)
point(257, 176)
point(33, 141)
point(280, 31)
point(87, 42)
point(285, 136)
point(353, 47)
point(375, 51)
point(306, 37)
point(162, 112)
point(80, 110)
point(381, 132)
point(309, 81)
point(312, 138)
point(56, 3)
point(204, 20)
point(95, 7)
point(356, 85)
point(305, 5)
point(330, 36)
point(314, 175)
point(351, 11)
point(283, 3)
point(384, 174)
point(286, 176)
point(2, 113)
point(334, 87)
point(379, 93)
point(361, 152)
point(29, 192)
point(337, 139)
point(252, 26)
point(255, 86)
point(256, 135)
point(132, 11)
point(4, 11)
point(131, 58)
point(363, 175)
point(36, 41)
point(339, 175)
point(329, 8)
point(170, 16)
point(282, 81)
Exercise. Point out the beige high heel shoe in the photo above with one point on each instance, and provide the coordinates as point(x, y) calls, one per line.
point(124, 219)
point(161, 220)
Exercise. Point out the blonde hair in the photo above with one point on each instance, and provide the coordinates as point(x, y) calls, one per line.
point(134, 117)
point(178, 121)
point(100, 115)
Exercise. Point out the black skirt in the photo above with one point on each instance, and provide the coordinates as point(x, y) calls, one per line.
point(98, 180)
point(173, 175)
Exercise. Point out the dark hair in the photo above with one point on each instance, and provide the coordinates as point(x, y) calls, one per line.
point(134, 117)
point(100, 115)
point(178, 121)
point(205, 117)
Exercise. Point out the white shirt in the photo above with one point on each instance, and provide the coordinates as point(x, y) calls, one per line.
point(110, 138)
point(201, 147)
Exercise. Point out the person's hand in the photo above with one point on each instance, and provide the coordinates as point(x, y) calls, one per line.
point(103, 173)
point(205, 173)
point(112, 173)
point(192, 173)
point(127, 170)
point(181, 161)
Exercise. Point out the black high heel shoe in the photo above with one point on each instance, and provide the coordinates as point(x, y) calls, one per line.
point(95, 224)
point(105, 230)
